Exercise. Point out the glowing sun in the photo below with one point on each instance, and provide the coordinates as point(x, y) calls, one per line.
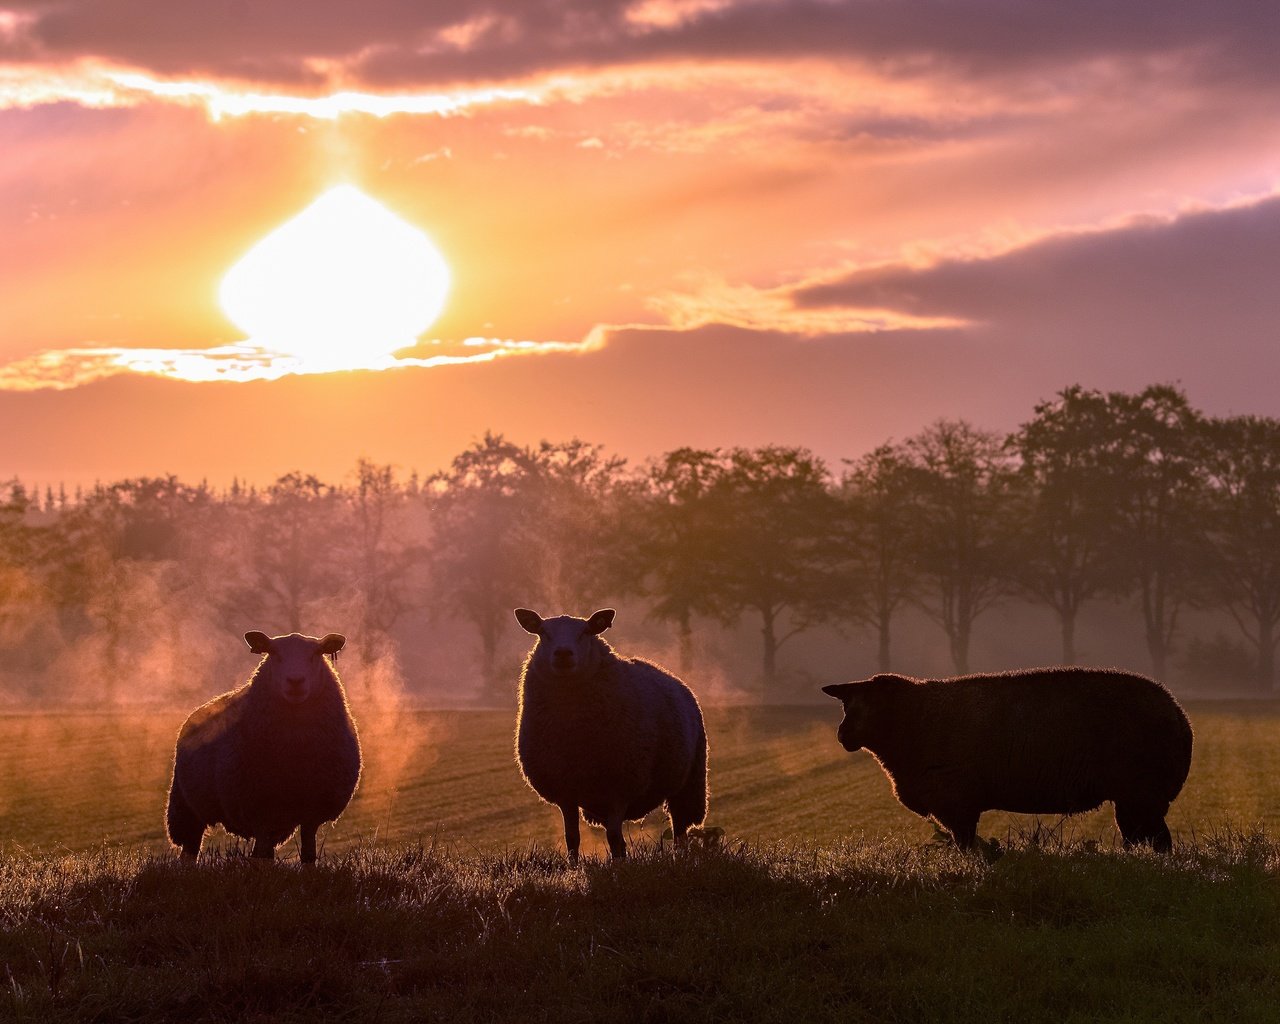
point(343, 282)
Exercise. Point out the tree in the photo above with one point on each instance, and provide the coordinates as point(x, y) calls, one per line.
point(1242, 460)
point(880, 511)
point(1060, 555)
point(20, 587)
point(513, 526)
point(965, 479)
point(381, 552)
point(572, 488)
point(1153, 460)
point(124, 570)
point(288, 541)
point(769, 544)
point(662, 543)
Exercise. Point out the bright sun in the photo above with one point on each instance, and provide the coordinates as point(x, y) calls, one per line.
point(344, 281)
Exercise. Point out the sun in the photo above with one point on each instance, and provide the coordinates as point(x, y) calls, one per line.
point(342, 284)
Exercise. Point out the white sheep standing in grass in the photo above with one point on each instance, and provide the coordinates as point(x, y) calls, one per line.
point(277, 754)
point(613, 736)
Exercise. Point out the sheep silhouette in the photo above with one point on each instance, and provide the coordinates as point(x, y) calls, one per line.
point(615, 737)
point(1040, 741)
point(277, 754)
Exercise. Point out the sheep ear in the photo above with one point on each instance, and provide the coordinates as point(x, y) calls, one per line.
point(332, 643)
point(840, 691)
point(258, 642)
point(601, 620)
point(531, 621)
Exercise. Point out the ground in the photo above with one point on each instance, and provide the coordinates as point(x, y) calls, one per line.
point(444, 895)
point(72, 782)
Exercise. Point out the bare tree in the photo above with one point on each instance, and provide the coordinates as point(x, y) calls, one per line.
point(770, 545)
point(1153, 460)
point(965, 480)
point(881, 514)
point(1060, 555)
point(1243, 464)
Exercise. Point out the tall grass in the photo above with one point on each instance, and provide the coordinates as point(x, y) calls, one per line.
point(888, 930)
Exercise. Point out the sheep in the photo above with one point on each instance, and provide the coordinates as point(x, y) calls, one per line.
point(1038, 741)
point(276, 754)
point(612, 736)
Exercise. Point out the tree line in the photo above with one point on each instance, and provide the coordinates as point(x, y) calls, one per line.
point(1117, 496)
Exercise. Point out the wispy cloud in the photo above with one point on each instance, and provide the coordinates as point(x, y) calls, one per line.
point(90, 84)
point(714, 301)
point(63, 369)
point(388, 43)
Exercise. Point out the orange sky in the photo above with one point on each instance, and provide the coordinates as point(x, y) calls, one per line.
point(715, 221)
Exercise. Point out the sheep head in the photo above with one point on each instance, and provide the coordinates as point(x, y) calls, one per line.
point(864, 707)
point(567, 647)
point(295, 667)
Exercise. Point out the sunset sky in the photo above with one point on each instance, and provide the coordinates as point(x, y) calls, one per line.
point(665, 222)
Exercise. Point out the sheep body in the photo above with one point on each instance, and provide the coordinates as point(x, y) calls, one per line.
point(1039, 741)
point(613, 737)
point(262, 761)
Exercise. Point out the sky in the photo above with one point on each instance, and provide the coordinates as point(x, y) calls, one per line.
point(664, 223)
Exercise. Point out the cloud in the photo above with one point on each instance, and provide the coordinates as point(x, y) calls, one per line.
point(1191, 297)
point(64, 369)
point(1206, 267)
point(1148, 298)
point(714, 301)
point(321, 45)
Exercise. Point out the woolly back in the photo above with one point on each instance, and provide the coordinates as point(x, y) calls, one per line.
point(296, 671)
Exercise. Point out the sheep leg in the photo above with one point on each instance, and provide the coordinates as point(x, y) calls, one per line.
point(185, 828)
point(263, 849)
point(307, 835)
point(963, 826)
point(572, 831)
point(688, 805)
point(1142, 823)
point(613, 832)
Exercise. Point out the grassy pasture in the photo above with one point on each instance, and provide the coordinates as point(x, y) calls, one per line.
point(72, 782)
point(443, 894)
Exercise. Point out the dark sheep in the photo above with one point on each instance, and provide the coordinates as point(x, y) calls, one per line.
point(1040, 741)
point(277, 754)
point(616, 737)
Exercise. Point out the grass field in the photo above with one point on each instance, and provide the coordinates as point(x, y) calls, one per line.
point(443, 893)
point(73, 782)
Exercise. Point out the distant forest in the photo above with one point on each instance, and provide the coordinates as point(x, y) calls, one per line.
point(138, 590)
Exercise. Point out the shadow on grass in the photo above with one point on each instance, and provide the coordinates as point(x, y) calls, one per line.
point(869, 930)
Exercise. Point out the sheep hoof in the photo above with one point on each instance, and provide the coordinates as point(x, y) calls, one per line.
point(706, 835)
point(989, 850)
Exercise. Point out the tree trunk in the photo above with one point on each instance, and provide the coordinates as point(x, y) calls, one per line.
point(1159, 653)
point(492, 688)
point(686, 644)
point(1153, 612)
point(883, 658)
point(770, 655)
point(1266, 656)
point(1069, 637)
point(960, 647)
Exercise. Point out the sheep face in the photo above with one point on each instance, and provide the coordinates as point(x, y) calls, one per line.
point(567, 647)
point(294, 667)
point(852, 733)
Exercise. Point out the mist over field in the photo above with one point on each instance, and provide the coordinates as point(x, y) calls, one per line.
point(1111, 529)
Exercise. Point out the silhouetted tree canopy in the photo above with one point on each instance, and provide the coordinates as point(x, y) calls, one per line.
point(1133, 498)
